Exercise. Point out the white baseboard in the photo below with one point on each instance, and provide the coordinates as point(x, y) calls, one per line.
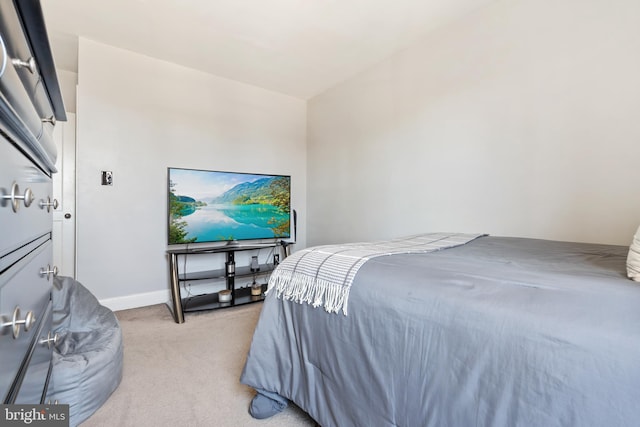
point(136, 300)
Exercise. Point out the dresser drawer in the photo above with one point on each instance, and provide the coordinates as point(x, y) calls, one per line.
point(37, 374)
point(25, 288)
point(15, 93)
point(27, 67)
point(31, 93)
point(19, 178)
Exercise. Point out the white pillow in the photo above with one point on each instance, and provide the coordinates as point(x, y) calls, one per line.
point(633, 259)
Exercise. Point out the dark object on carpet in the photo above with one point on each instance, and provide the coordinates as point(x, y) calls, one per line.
point(266, 404)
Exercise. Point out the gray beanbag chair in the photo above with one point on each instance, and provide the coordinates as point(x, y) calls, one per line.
point(87, 359)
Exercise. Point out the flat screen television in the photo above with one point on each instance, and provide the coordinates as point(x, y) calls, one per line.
point(213, 206)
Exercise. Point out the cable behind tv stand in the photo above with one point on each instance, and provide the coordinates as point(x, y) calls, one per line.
point(221, 256)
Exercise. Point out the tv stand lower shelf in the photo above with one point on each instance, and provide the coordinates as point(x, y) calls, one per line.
point(240, 296)
point(210, 301)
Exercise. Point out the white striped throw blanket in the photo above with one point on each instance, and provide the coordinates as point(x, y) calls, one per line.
point(322, 275)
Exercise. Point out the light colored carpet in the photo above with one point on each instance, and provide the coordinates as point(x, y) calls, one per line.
point(187, 374)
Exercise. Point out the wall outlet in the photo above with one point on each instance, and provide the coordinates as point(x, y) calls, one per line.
point(107, 178)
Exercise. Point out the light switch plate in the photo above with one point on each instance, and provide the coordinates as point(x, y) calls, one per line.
point(107, 178)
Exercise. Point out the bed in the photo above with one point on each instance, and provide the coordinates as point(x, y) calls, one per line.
point(499, 331)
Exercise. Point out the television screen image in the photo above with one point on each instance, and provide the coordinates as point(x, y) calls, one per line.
point(214, 206)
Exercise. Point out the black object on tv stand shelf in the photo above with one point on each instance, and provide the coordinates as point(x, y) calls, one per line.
point(239, 296)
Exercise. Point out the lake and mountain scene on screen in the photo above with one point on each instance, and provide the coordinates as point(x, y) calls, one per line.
point(211, 206)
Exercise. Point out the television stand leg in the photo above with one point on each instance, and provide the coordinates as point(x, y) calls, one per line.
point(178, 314)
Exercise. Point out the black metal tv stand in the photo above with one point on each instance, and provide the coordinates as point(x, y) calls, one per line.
point(210, 301)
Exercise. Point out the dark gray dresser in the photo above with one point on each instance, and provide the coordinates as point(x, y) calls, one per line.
point(30, 105)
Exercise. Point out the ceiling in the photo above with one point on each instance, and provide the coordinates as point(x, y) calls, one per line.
point(296, 47)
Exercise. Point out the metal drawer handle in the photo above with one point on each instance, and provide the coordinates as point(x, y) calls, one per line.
point(3, 56)
point(51, 120)
point(28, 321)
point(49, 204)
point(29, 64)
point(15, 197)
point(50, 340)
point(49, 271)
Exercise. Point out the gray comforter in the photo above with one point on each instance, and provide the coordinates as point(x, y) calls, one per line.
point(499, 332)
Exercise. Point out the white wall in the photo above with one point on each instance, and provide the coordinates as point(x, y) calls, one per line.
point(520, 119)
point(136, 117)
point(68, 81)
